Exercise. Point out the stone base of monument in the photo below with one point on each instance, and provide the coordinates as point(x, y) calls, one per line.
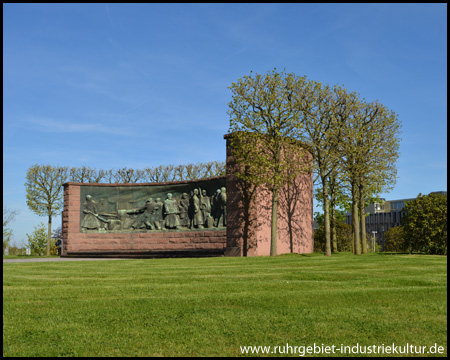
point(146, 254)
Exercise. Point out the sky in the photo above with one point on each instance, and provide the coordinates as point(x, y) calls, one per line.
point(137, 85)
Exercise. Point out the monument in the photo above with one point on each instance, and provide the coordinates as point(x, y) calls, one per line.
point(185, 218)
point(143, 220)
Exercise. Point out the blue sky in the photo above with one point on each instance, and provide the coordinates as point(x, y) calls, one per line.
point(136, 85)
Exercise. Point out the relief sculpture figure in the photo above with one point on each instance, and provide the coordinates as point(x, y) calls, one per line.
point(144, 220)
point(197, 218)
point(184, 210)
point(222, 207)
point(215, 209)
point(91, 220)
point(171, 212)
point(157, 214)
point(206, 210)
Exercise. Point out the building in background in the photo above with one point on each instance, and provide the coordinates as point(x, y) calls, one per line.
point(382, 216)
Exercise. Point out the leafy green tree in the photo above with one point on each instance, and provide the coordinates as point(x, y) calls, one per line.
point(263, 119)
point(38, 240)
point(322, 135)
point(350, 137)
point(369, 146)
point(338, 200)
point(425, 224)
point(379, 153)
point(44, 192)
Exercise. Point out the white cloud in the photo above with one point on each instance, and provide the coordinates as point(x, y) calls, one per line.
point(62, 126)
point(438, 165)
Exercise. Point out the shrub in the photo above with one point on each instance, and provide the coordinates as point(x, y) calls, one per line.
point(394, 240)
point(343, 234)
point(37, 241)
point(425, 225)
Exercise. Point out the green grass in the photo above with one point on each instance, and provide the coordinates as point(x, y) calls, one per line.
point(212, 306)
point(28, 256)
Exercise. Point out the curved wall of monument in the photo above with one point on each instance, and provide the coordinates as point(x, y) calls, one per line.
point(158, 219)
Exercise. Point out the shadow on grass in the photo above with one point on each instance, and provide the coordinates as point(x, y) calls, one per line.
point(403, 253)
point(297, 255)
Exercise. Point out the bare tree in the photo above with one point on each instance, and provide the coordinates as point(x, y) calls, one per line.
point(9, 216)
point(128, 176)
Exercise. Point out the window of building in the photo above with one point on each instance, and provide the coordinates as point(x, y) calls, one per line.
point(397, 205)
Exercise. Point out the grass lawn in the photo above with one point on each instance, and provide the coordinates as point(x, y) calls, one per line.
point(213, 306)
point(28, 256)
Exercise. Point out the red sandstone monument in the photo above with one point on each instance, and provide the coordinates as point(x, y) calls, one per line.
point(192, 218)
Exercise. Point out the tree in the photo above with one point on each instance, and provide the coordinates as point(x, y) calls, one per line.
point(347, 106)
point(378, 153)
point(8, 217)
point(320, 218)
point(394, 239)
point(425, 224)
point(108, 176)
point(339, 204)
point(263, 121)
point(338, 199)
point(129, 176)
point(218, 168)
point(317, 102)
point(193, 171)
point(369, 146)
point(164, 173)
point(38, 240)
point(44, 192)
point(85, 174)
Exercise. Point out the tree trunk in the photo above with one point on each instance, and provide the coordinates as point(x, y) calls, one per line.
point(291, 237)
point(355, 221)
point(363, 219)
point(290, 220)
point(333, 216)
point(246, 210)
point(245, 235)
point(49, 234)
point(333, 230)
point(326, 213)
point(273, 232)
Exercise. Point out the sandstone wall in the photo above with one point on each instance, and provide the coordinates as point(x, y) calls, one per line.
point(295, 215)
